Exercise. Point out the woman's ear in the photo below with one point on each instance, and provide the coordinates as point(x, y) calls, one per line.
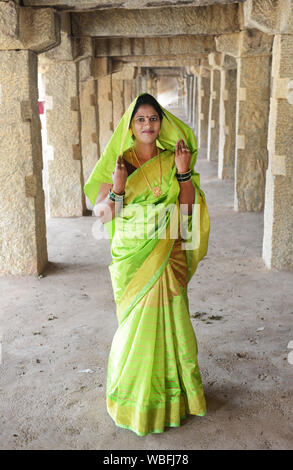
point(131, 133)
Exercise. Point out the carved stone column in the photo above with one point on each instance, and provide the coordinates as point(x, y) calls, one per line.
point(203, 101)
point(278, 213)
point(227, 112)
point(252, 50)
point(23, 243)
point(214, 116)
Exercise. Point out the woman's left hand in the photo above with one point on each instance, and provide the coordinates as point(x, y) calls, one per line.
point(182, 157)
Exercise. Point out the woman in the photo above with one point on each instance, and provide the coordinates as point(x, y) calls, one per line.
point(153, 377)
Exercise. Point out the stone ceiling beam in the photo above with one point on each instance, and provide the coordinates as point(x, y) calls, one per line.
point(158, 61)
point(82, 5)
point(270, 17)
point(167, 71)
point(107, 47)
point(212, 19)
point(32, 29)
point(250, 42)
point(204, 63)
point(122, 71)
point(221, 61)
point(103, 66)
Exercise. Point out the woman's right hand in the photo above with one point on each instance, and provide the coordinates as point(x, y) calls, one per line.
point(119, 176)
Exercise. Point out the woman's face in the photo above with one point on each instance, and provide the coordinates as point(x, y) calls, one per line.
point(146, 124)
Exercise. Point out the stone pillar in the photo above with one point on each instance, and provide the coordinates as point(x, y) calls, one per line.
point(89, 118)
point(227, 123)
point(118, 100)
point(197, 110)
point(214, 117)
point(105, 110)
point(23, 244)
point(143, 84)
point(127, 93)
point(150, 83)
point(63, 125)
point(180, 92)
point(63, 135)
point(185, 95)
point(253, 91)
point(133, 90)
point(278, 213)
point(227, 112)
point(139, 84)
point(23, 222)
point(194, 111)
point(203, 110)
point(191, 99)
point(252, 50)
point(188, 97)
point(154, 89)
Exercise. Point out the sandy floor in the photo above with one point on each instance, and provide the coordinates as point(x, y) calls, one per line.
point(56, 327)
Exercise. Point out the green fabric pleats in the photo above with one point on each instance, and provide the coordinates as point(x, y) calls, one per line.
point(153, 377)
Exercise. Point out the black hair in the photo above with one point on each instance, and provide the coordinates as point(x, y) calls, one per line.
point(147, 99)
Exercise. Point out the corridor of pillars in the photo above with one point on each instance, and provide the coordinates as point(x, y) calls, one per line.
point(228, 71)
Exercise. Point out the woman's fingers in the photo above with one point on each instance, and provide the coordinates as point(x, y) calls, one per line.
point(119, 161)
point(181, 148)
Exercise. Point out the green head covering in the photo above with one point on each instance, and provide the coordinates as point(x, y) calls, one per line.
point(172, 129)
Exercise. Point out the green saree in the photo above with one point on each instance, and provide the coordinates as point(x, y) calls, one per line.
point(153, 376)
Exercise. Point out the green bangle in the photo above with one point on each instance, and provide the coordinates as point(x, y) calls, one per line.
point(115, 197)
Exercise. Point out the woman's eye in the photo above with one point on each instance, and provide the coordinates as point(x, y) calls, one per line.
point(154, 118)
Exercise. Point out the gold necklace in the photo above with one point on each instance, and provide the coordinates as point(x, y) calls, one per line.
point(156, 189)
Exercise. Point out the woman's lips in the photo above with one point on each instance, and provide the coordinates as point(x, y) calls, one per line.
point(148, 132)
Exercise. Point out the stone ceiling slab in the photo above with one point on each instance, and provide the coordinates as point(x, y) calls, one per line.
point(82, 5)
point(213, 19)
point(108, 47)
point(159, 61)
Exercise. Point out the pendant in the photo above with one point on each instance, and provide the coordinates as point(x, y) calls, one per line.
point(157, 191)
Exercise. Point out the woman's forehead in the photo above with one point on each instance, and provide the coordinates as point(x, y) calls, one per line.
point(146, 111)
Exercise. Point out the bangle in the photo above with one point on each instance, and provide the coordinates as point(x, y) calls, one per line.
point(183, 176)
point(115, 197)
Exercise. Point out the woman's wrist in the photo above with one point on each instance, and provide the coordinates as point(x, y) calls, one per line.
point(118, 191)
point(183, 176)
point(183, 170)
point(115, 197)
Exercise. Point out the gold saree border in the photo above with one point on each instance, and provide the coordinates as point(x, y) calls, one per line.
point(155, 419)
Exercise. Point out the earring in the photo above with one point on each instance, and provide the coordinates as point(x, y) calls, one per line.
point(130, 132)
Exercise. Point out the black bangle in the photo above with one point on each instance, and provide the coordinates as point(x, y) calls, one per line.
point(183, 180)
point(183, 176)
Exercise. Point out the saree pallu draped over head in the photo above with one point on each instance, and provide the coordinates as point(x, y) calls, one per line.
point(153, 377)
